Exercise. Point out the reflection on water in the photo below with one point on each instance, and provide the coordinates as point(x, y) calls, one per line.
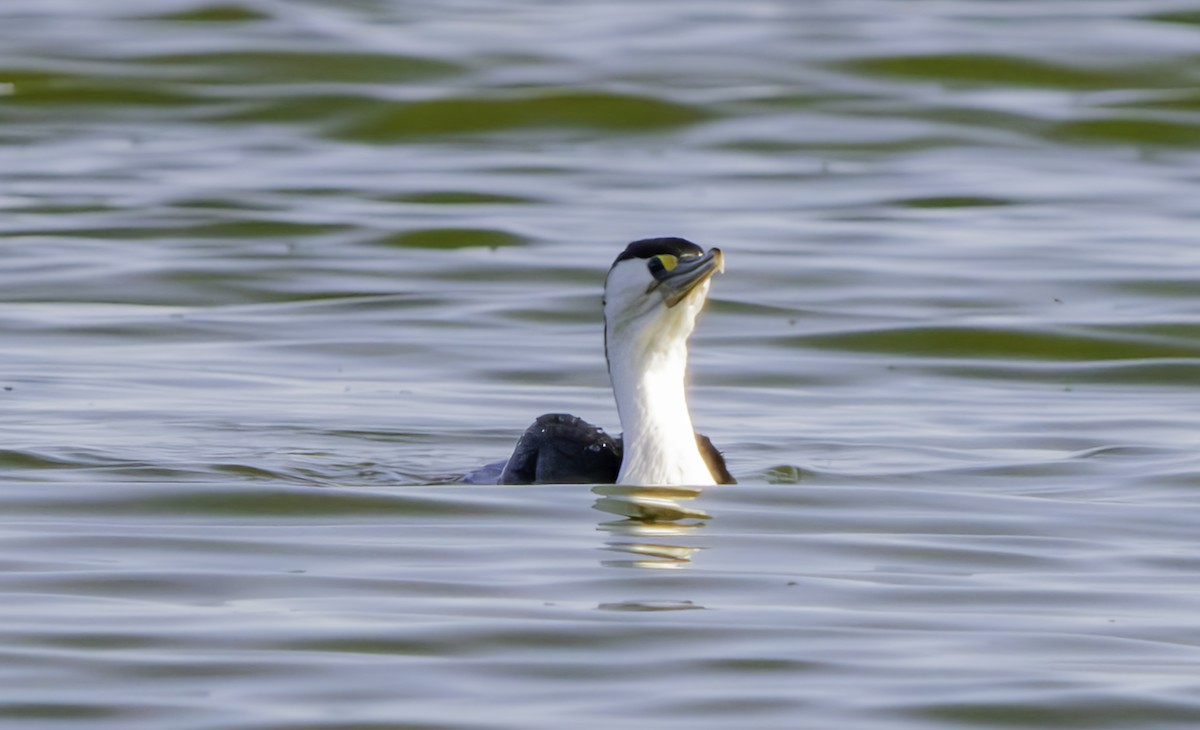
point(649, 504)
point(651, 513)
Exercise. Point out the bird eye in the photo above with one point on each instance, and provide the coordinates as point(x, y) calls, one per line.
point(663, 262)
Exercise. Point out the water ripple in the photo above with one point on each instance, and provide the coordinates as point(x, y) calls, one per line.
point(275, 274)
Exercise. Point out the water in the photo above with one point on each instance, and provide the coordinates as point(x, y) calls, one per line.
point(273, 273)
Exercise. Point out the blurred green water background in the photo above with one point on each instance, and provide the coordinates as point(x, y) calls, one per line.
point(272, 271)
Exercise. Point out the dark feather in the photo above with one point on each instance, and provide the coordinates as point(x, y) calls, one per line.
point(649, 247)
point(563, 449)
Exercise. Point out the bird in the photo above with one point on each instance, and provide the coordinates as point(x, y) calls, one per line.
point(653, 293)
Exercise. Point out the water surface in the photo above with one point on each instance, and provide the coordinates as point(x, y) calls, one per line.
point(273, 273)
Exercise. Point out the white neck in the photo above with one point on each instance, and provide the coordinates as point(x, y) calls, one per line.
point(648, 377)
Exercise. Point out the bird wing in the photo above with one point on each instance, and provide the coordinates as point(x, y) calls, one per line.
point(563, 449)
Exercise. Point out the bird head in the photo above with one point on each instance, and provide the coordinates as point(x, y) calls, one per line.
point(654, 291)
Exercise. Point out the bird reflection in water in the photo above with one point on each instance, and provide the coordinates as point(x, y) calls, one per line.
point(654, 516)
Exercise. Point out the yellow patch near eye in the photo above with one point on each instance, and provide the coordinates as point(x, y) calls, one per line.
point(668, 261)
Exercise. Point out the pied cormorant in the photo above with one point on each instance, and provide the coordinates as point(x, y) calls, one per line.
point(652, 295)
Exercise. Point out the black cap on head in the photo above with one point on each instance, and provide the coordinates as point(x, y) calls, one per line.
point(651, 247)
